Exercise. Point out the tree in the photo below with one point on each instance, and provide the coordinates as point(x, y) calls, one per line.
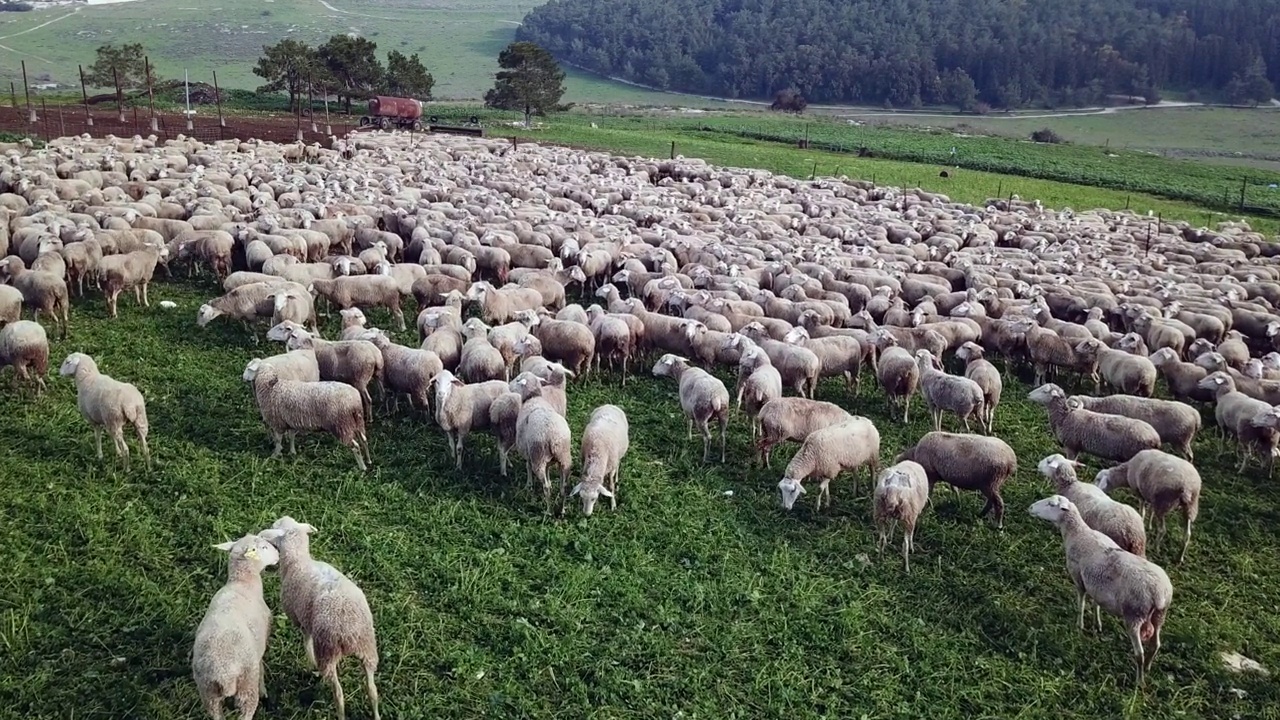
point(789, 100)
point(407, 76)
point(289, 65)
point(127, 61)
point(958, 89)
point(353, 64)
point(530, 80)
point(1251, 86)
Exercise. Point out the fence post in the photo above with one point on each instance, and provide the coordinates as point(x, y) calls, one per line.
point(673, 149)
point(13, 95)
point(299, 118)
point(311, 105)
point(151, 98)
point(135, 120)
point(813, 175)
point(217, 97)
point(84, 92)
point(328, 129)
point(44, 111)
point(62, 123)
point(115, 77)
point(1126, 201)
point(1244, 185)
point(26, 89)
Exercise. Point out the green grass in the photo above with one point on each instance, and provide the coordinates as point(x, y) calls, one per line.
point(685, 602)
point(458, 40)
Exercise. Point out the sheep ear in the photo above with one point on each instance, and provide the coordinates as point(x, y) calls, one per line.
point(271, 535)
point(226, 546)
point(801, 488)
point(605, 492)
point(576, 489)
point(307, 528)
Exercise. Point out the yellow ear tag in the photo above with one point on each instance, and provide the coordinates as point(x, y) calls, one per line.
point(251, 553)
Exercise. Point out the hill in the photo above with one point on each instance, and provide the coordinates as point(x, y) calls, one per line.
point(912, 52)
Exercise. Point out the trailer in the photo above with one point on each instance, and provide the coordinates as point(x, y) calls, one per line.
point(387, 112)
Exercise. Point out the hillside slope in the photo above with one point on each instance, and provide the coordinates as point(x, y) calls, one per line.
point(909, 52)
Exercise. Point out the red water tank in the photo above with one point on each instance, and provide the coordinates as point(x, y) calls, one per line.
point(395, 107)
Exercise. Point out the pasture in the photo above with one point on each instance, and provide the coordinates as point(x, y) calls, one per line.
point(697, 597)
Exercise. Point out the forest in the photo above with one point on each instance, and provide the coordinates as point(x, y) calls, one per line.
point(973, 54)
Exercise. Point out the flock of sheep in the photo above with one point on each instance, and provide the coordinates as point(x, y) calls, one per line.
point(778, 281)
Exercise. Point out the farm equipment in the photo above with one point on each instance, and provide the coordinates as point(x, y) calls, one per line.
point(388, 112)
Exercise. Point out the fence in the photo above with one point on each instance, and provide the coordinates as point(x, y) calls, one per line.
point(63, 120)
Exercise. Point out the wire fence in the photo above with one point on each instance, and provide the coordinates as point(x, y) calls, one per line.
point(46, 122)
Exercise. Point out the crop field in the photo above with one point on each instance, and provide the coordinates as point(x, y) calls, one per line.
point(458, 41)
point(697, 597)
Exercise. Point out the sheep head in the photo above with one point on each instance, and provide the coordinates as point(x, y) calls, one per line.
point(790, 490)
point(205, 314)
point(1058, 469)
point(589, 492)
point(669, 365)
point(252, 550)
point(1046, 394)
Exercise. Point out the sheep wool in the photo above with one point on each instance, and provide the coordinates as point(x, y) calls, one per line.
point(847, 446)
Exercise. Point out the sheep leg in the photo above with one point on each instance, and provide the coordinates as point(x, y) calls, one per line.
point(1186, 535)
point(613, 487)
point(1160, 530)
point(122, 447)
point(502, 459)
point(293, 442)
point(97, 440)
point(355, 448)
point(1139, 653)
point(399, 315)
point(690, 429)
point(370, 667)
point(330, 674)
point(906, 410)
point(908, 544)
point(142, 444)
point(462, 436)
point(277, 437)
point(704, 427)
point(994, 504)
point(883, 528)
point(309, 647)
point(724, 426)
point(1083, 600)
point(247, 697)
point(1157, 621)
point(146, 301)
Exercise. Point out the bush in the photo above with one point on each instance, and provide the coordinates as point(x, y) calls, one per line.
point(1045, 135)
point(789, 100)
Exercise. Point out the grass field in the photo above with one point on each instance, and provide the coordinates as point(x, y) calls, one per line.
point(685, 602)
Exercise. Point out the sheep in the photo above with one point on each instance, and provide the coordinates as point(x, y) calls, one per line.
point(758, 383)
point(1130, 587)
point(245, 303)
point(966, 462)
point(1110, 437)
point(289, 406)
point(1183, 377)
point(1048, 350)
point(226, 657)
point(793, 418)
point(1176, 423)
point(981, 371)
point(943, 392)
point(131, 270)
point(901, 492)
point(108, 404)
point(1162, 482)
point(504, 411)
point(41, 291)
point(405, 370)
point(799, 366)
point(461, 408)
point(330, 610)
point(702, 397)
point(498, 306)
point(480, 361)
point(294, 306)
point(605, 442)
point(849, 445)
point(354, 362)
point(300, 365)
point(899, 376)
point(10, 305)
point(354, 323)
point(25, 346)
point(1114, 519)
point(567, 342)
point(613, 339)
point(1249, 419)
point(1129, 374)
point(543, 437)
point(364, 291)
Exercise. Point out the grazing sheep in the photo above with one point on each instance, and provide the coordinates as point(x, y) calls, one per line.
point(542, 437)
point(1162, 482)
point(1110, 437)
point(605, 442)
point(226, 657)
point(289, 406)
point(461, 408)
point(41, 291)
point(245, 303)
point(329, 609)
point(981, 371)
point(966, 462)
point(901, 492)
point(406, 371)
point(1132, 588)
point(1176, 423)
point(25, 346)
point(363, 291)
point(1114, 519)
point(898, 375)
point(943, 392)
point(826, 453)
point(1252, 421)
point(793, 418)
point(702, 397)
point(108, 404)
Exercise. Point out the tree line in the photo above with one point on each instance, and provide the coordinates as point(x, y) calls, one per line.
point(907, 53)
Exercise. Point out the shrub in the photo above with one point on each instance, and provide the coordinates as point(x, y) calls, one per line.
point(1045, 135)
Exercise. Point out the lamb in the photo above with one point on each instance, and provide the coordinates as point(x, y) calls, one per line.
point(364, 291)
point(543, 437)
point(1132, 588)
point(849, 445)
point(758, 383)
point(943, 392)
point(901, 492)
point(288, 406)
point(1129, 374)
point(981, 371)
point(226, 658)
point(108, 404)
point(330, 610)
point(898, 375)
point(41, 291)
point(480, 361)
point(702, 397)
point(461, 408)
point(1176, 423)
point(605, 442)
point(1111, 437)
point(354, 362)
point(966, 462)
point(793, 418)
point(1162, 482)
point(1114, 519)
point(406, 370)
point(25, 346)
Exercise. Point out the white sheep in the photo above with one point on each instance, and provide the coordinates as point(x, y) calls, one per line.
point(826, 453)
point(1162, 482)
point(226, 658)
point(288, 406)
point(702, 397)
point(1114, 519)
point(901, 492)
point(461, 408)
point(542, 437)
point(108, 404)
point(605, 442)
